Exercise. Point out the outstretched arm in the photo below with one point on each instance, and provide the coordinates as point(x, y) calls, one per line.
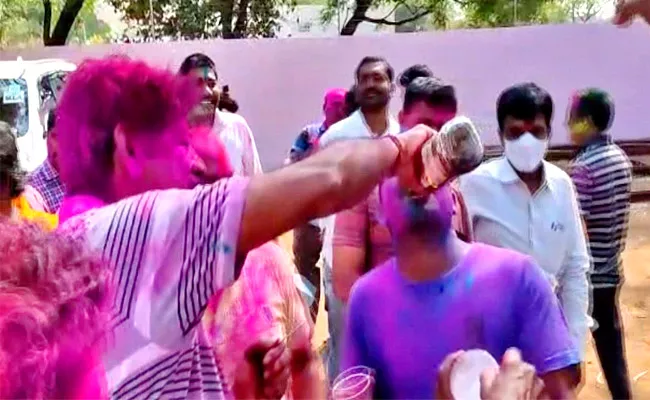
point(333, 179)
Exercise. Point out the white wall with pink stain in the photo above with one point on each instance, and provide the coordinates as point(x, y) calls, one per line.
point(279, 83)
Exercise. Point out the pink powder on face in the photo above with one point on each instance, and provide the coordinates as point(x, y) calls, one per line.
point(212, 152)
point(104, 94)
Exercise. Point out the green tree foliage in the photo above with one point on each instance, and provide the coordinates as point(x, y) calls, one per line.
point(573, 10)
point(24, 23)
point(446, 14)
point(200, 19)
point(498, 13)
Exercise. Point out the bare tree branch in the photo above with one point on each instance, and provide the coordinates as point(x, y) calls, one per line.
point(391, 11)
point(385, 21)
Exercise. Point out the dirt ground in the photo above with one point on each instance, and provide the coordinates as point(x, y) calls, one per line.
point(635, 300)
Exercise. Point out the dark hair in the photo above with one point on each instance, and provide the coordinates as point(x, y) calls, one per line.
point(414, 71)
point(10, 171)
point(524, 101)
point(432, 91)
point(228, 103)
point(372, 60)
point(351, 104)
point(197, 60)
point(597, 105)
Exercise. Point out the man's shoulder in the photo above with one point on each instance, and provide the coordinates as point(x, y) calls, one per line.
point(234, 120)
point(39, 174)
point(486, 173)
point(375, 282)
point(502, 266)
point(557, 176)
point(312, 128)
point(604, 157)
point(487, 169)
point(347, 128)
point(498, 257)
point(84, 216)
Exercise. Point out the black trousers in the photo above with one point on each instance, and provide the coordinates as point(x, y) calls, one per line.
point(307, 245)
point(610, 342)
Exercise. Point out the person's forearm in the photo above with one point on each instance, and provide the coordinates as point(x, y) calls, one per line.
point(574, 296)
point(329, 181)
point(561, 384)
point(346, 269)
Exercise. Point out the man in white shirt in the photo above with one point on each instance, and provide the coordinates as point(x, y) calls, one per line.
point(526, 204)
point(233, 130)
point(373, 89)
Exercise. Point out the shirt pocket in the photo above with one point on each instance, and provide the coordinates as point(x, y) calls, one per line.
point(553, 242)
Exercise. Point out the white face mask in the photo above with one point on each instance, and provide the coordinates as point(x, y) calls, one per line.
point(526, 152)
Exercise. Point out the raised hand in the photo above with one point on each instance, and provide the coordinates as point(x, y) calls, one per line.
point(265, 372)
point(409, 165)
point(514, 380)
point(443, 387)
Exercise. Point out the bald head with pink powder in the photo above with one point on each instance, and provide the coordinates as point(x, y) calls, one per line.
point(334, 106)
point(427, 217)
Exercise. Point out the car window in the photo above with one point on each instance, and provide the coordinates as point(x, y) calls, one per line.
point(49, 88)
point(13, 104)
point(50, 85)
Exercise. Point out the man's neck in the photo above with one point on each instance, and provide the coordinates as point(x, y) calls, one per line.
point(377, 121)
point(533, 180)
point(422, 261)
point(53, 164)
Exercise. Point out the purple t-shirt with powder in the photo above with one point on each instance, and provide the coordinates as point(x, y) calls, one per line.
point(493, 299)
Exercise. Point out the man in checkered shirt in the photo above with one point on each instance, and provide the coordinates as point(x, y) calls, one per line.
point(48, 189)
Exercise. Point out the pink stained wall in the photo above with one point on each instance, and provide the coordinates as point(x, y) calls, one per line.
point(279, 83)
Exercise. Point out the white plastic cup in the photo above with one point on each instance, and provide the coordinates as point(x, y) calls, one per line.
point(356, 383)
point(466, 374)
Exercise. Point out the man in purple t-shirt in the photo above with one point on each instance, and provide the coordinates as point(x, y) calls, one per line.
point(440, 295)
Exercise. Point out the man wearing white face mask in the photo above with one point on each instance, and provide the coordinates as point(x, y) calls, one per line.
point(526, 204)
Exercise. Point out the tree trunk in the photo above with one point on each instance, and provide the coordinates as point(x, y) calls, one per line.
point(361, 7)
point(47, 20)
point(65, 22)
point(242, 20)
point(227, 13)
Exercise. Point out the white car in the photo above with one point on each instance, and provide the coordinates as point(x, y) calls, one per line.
point(28, 90)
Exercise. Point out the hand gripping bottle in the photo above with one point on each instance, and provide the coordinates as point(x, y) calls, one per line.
point(455, 150)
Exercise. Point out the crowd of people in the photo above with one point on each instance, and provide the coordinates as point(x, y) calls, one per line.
point(142, 259)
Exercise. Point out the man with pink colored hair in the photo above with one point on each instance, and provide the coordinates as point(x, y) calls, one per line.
point(53, 316)
point(171, 248)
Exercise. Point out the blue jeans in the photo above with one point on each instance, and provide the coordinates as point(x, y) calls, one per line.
point(335, 322)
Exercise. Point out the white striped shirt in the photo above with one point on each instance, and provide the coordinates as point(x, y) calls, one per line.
point(170, 252)
point(602, 174)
